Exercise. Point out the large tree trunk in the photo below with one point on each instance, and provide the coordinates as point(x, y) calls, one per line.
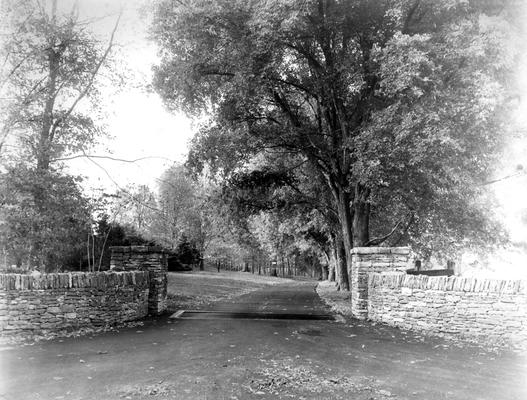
point(361, 217)
point(331, 272)
point(329, 262)
point(345, 218)
point(324, 272)
point(46, 132)
point(335, 256)
point(332, 260)
point(361, 224)
point(342, 266)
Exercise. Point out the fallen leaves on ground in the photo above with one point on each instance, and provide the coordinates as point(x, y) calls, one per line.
point(28, 339)
point(160, 389)
point(281, 377)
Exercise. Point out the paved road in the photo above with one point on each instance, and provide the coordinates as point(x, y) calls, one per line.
point(259, 359)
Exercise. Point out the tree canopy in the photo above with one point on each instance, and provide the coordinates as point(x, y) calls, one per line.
point(399, 107)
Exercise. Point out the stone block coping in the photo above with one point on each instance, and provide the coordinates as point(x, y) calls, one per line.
point(381, 250)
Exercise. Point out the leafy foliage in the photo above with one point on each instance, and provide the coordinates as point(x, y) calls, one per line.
point(44, 218)
point(399, 106)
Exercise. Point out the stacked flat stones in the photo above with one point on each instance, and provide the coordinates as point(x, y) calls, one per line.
point(51, 302)
point(145, 258)
point(489, 311)
point(367, 260)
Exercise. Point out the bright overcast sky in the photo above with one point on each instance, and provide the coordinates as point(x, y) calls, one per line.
point(138, 124)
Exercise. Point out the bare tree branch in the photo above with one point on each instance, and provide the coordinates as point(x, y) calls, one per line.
point(403, 232)
point(379, 240)
point(130, 195)
point(92, 77)
point(517, 174)
point(6, 58)
point(110, 158)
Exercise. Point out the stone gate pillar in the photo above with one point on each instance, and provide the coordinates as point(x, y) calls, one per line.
point(366, 260)
point(145, 258)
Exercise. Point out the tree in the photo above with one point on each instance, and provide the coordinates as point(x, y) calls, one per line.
point(286, 209)
point(49, 79)
point(109, 233)
point(398, 106)
point(49, 234)
point(137, 207)
point(287, 238)
point(185, 211)
point(176, 203)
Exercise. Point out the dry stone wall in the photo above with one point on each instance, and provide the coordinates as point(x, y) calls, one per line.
point(366, 260)
point(51, 302)
point(145, 258)
point(483, 310)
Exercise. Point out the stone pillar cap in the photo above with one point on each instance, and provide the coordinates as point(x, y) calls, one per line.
point(380, 250)
point(138, 249)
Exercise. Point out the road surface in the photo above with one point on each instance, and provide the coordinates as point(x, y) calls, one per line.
point(233, 354)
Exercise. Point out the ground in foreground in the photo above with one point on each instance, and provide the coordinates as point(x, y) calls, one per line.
point(259, 359)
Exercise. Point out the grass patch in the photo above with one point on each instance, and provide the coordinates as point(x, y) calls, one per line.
point(197, 290)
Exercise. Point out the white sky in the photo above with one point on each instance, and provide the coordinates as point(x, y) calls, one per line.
point(138, 124)
point(141, 127)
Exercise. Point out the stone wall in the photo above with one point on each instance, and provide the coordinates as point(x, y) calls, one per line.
point(483, 310)
point(51, 302)
point(366, 260)
point(145, 258)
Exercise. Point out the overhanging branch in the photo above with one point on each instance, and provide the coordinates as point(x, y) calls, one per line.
point(379, 240)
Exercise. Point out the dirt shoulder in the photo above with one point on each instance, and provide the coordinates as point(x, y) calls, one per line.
point(339, 301)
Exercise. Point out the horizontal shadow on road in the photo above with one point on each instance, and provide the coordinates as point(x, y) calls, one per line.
point(190, 314)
